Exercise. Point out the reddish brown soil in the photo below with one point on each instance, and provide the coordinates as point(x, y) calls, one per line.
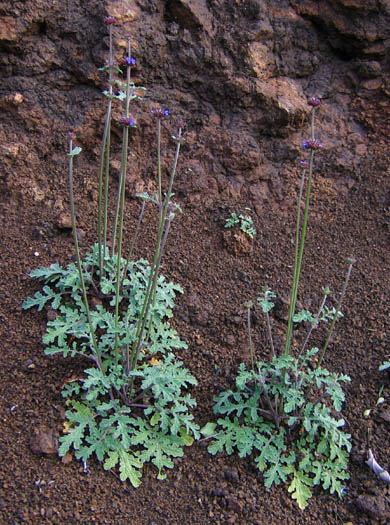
point(350, 215)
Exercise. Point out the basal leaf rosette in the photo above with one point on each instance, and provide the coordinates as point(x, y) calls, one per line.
point(287, 415)
point(124, 413)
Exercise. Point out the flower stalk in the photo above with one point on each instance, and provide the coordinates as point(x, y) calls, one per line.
point(164, 223)
point(94, 346)
point(313, 145)
point(121, 204)
point(105, 162)
point(351, 261)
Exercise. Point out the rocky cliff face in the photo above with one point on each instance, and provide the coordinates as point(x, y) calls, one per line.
point(237, 71)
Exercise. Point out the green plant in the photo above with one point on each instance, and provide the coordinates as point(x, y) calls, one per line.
point(131, 406)
point(380, 400)
point(245, 223)
point(287, 411)
point(384, 366)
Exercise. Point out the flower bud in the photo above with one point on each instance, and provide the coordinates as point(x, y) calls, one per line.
point(159, 113)
point(127, 61)
point(314, 102)
point(110, 20)
point(312, 144)
point(127, 121)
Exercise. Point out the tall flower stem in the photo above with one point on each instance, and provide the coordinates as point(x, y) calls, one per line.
point(313, 145)
point(122, 180)
point(102, 199)
point(95, 347)
point(154, 272)
point(159, 160)
point(298, 256)
point(338, 309)
point(249, 309)
point(106, 184)
point(104, 167)
point(269, 331)
point(313, 114)
point(322, 306)
point(121, 202)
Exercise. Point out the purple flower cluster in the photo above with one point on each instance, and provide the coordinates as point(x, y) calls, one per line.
point(127, 61)
point(127, 121)
point(159, 113)
point(304, 164)
point(312, 144)
point(110, 20)
point(314, 102)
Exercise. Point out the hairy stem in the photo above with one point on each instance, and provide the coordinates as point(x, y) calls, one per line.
point(250, 337)
point(269, 331)
point(102, 201)
point(104, 168)
point(274, 410)
point(298, 256)
point(154, 272)
point(314, 325)
point(159, 160)
point(125, 141)
point(338, 309)
point(122, 180)
point(95, 347)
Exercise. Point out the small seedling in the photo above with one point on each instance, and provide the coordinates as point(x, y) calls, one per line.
point(245, 223)
point(384, 366)
point(379, 401)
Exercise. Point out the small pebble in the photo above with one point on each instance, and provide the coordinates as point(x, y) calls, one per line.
point(51, 314)
point(44, 441)
point(64, 221)
point(231, 475)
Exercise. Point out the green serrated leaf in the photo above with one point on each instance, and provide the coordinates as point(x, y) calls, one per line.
point(208, 429)
point(75, 151)
point(112, 460)
point(155, 418)
point(265, 300)
point(40, 299)
point(303, 316)
point(384, 366)
point(158, 446)
point(299, 488)
point(187, 438)
point(128, 468)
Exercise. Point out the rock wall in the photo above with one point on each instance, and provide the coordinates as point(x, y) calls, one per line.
point(237, 71)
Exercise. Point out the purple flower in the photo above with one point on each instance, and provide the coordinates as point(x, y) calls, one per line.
point(312, 144)
point(128, 61)
point(127, 121)
point(180, 124)
point(109, 20)
point(304, 164)
point(159, 113)
point(314, 102)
